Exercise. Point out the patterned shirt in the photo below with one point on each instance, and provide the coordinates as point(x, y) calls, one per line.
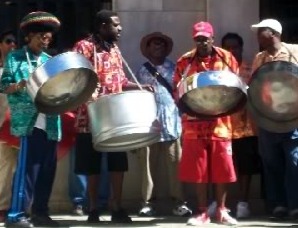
point(242, 123)
point(108, 66)
point(167, 111)
point(213, 128)
point(287, 52)
point(23, 111)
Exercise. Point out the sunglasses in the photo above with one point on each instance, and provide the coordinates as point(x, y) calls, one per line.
point(9, 41)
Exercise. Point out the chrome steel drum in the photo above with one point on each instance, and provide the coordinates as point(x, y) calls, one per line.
point(62, 83)
point(124, 121)
point(212, 93)
point(273, 96)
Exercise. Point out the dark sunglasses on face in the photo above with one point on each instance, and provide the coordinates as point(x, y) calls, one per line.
point(9, 41)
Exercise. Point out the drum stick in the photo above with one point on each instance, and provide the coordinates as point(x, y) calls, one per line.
point(131, 73)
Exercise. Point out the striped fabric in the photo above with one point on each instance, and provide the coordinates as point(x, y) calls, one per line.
point(18, 192)
point(39, 21)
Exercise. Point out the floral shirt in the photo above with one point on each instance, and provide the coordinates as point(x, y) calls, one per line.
point(242, 123)
point(213, 128)
point(107, 61)
point(23, 111)
point(168, 113)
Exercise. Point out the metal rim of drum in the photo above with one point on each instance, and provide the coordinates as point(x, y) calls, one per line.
point(105, 137)
point(270, 125)
point(264, 121)
point(105, 146)
point(73, 103)
point(42, 87)
point(186, 109)
point(209, 79)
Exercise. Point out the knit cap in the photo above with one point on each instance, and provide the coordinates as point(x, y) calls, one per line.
point(39, 22)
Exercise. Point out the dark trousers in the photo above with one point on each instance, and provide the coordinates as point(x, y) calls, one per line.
point(279, 153)
point(34, 177)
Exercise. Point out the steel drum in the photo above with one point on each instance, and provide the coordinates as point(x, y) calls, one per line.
point(62, 83)
point(273, 96)
point(124, 121)
point(211, 93)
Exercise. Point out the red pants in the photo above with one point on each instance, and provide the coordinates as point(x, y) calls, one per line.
point(206, 161)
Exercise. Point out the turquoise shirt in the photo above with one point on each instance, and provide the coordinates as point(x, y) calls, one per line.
point(22, 109)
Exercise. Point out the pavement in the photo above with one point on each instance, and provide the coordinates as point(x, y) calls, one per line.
point(161, 221)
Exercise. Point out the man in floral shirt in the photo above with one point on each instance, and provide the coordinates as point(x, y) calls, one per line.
point(103, 53)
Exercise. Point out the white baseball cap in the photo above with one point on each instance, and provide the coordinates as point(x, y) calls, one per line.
point(268, 23)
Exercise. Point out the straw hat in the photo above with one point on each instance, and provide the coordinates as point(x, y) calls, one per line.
point(146, 39)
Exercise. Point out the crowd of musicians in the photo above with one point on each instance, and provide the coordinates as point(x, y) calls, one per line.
point(199, 151)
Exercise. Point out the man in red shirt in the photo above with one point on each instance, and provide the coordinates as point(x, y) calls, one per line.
point(103, 53)
point(206, 146)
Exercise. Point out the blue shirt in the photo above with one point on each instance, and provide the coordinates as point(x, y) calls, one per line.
point(22, 109)
point(168, 113)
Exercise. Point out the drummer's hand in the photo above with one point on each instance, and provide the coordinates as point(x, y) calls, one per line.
point(94, 96)
point(21, 84)
point(16, 87)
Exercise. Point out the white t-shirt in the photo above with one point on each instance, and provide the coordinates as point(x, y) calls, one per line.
point(41, 121)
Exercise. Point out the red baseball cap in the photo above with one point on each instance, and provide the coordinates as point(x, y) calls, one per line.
point(202, 29)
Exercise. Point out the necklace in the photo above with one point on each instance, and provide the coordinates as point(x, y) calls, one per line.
point(38, 60)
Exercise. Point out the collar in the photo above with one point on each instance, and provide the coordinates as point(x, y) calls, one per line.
point(33, 57)
point(283, 50)
point(193, 53)
point(102, 44)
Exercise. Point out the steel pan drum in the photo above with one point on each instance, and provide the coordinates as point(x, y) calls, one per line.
point(62, 83)
point(212, 93)
point(124, 121)
point(273, 96)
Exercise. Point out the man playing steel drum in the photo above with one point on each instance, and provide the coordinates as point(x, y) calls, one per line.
point(38, 132)
point(279, 151)
point(101, 49)
point(206, 143)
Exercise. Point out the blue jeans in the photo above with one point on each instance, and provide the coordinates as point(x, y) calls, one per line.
point(78, 184)
point(279, 153)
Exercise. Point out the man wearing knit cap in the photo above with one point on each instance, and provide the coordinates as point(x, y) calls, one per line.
point(278, 150)
point(38, 132)
point(206, 144)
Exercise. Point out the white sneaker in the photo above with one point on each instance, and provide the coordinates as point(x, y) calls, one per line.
point(182, 210)
point(242, 210)
point(211, 211)
point(223, 217)
point(200, 219)
point(146, 210)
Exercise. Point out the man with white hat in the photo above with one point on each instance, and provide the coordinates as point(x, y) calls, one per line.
point(278, 150)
